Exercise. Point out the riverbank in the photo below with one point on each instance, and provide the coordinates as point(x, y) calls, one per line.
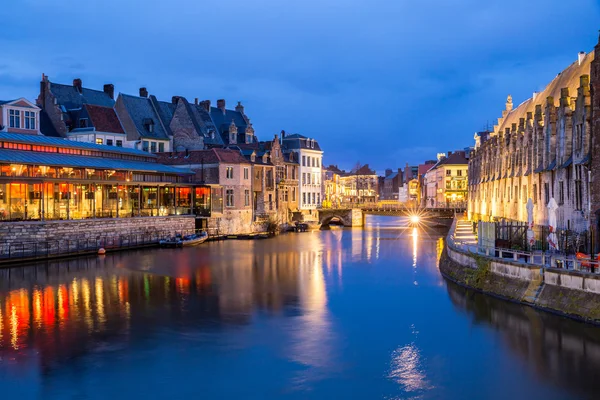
point(572, 294)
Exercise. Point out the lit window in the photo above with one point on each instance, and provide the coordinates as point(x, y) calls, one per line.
point(229, 172)
point(245, 173)
point(99, 141)
point(229, 197)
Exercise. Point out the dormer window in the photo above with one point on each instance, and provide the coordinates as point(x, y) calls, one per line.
point(253, 157)
point(312, 144)
point(83, 122)
point(149, 125)
point(29, 120)
point(14, 118)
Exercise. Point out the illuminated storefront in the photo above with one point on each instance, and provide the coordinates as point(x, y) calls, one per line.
point(44, 178)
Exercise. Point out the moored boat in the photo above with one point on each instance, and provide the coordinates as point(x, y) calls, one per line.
point(187, 240)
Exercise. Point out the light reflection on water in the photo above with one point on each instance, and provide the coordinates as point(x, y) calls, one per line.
point(311, 315)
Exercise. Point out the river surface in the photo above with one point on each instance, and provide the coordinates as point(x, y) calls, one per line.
point(338, 314)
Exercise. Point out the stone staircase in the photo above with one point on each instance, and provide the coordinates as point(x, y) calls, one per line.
point(464, 233)
point(533, 290)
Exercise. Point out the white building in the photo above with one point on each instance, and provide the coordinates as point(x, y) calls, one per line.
point(310, 157)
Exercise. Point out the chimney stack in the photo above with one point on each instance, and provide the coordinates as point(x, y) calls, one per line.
point(143, 92)
point(581, 57)
point(78, 85)
point(109, 89)
point(175, 99)
point(196, 101)
point(282, 134)
point(205, 104)
point(221, 105)
point(239, 108)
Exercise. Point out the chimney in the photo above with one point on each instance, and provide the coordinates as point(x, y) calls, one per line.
point(205, 104)
point(109, 89)
point(196, 101)
point(580, 57)
point(388, 172)
point(534, 95)
point(175, 99)
point(282, 134)
point(143, 92)
point(78, 85)
point(509, 103)
point(239, 108)
point(221, 105)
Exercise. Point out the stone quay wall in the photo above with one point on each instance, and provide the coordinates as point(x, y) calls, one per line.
point(91, 229)
point(571, 293)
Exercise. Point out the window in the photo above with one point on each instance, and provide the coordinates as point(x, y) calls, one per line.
point(14, 118)
point(286, 195)
point(29, 120)
point(293, 194)
point(229, 198)
point(308, 178)
point(99, 141)
point(546, 193)
point(304, 161)
point(145, 145)
point(318, 162)
point(524, 194)
point(229, 172)
point(246, 173)
point(109, 142)
point(303, 198)
point(153, 147)
point(161, 147)
point(448, 172)
point(83, 122)
point(561, 192)
point(318, 198)
point(314, 198)
point(304, 178)
point(578, 189)
point(246, 197)
point(314, 162)
point(119, 143)
point(459, 172)
point(516, 193)
point(535, 194)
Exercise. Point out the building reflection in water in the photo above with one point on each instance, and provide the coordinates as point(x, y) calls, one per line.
point(559, 350)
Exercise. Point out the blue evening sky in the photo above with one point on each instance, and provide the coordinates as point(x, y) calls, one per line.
point(383, 82)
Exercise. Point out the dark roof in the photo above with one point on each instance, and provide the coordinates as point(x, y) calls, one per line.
point(364, 170)
point(69, 97)
point(104, 119)
point(212, 156)
point(456, 158)
point(222, 121)
point(65, 160)
point(60, 142)
point(391, 176)
point(165, 111)
point(297, 141)
point(141, 111)
point(203, 123)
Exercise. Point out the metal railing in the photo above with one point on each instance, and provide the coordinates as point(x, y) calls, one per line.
point(69, 247)
point(542, 259)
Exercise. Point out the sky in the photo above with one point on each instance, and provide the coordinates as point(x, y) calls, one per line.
point(380, 82)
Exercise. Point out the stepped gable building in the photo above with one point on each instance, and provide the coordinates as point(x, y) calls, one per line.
point(595, 146)
point(62, 105)
point(233, 125)
point(539, 150)
point(146, 121)
point(19, 116)
point(192, 127)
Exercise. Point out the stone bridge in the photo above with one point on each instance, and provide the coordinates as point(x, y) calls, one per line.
point(356, 216)
point(348, 216)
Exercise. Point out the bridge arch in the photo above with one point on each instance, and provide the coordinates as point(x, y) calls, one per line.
point(326, 216)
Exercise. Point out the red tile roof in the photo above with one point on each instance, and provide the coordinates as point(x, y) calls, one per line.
point(212, 156)
point(104, 119)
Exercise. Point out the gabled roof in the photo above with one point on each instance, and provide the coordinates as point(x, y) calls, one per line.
point(165, 111)
point(203, 124)
point(141, 111)
point(456, 158)
point(104, 119)
point(20, 102)
point(212, 156)
point(70, 98)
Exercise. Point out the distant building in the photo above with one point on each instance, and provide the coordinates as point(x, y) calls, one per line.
point(360, 186)
point(392, 181)
point(446, 181)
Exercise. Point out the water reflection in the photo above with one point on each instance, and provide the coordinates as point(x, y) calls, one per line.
point(559, 350)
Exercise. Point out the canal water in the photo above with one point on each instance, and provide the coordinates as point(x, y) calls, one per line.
point(344, 314)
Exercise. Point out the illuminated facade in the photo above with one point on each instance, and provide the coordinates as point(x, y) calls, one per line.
point(539, 150)
point(446, 181)
point(44, 178)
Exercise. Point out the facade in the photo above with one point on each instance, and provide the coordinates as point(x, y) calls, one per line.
point(310, 156)
point(595, 147)
point(421, 171)
point(332, 187)
point(360, 186)
point(99, 125)
point(391, 184)
point(540, 150)
point(44, 178)
point(19, 116)
point(446, 181)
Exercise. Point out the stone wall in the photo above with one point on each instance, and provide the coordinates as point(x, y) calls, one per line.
point(37, 231)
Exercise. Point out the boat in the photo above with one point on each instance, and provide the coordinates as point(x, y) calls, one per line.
point(185, 241)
